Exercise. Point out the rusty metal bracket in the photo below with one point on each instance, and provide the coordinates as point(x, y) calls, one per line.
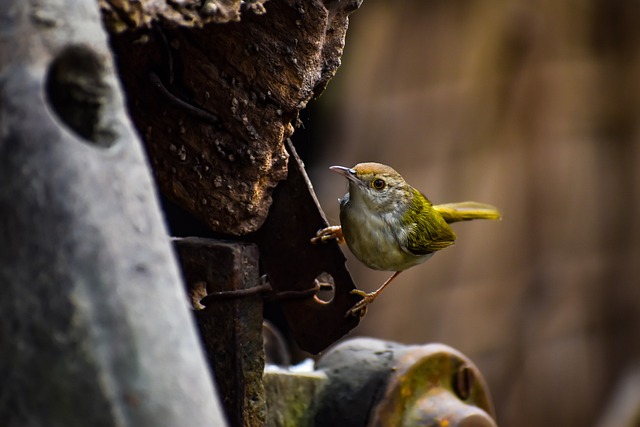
point(293, 264)
point(231, 329)
point(263, 289)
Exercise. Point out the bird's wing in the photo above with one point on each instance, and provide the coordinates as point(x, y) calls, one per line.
point(424, 238)
point(427, 230)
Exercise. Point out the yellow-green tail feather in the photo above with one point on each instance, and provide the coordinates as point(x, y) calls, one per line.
point(465, 211)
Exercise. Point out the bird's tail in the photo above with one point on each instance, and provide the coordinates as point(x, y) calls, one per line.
point(465, 211)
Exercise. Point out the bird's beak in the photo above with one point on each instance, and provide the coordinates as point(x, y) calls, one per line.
point(348, 173)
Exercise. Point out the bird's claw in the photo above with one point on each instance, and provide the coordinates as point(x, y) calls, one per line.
point(361, 306)
point(333, 232)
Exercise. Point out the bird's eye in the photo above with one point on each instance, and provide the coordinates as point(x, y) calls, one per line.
point(378, 184)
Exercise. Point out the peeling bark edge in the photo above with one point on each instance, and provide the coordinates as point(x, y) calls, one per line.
point(124, 15)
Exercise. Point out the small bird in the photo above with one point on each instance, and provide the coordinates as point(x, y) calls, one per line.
point(391, 226)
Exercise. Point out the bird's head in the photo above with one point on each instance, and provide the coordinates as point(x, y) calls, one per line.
point(379, 186)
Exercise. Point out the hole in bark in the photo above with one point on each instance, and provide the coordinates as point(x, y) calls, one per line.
point(327, 288)
point(78, 94)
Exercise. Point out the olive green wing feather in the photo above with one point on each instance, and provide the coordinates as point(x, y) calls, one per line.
point(465, 211)
point(427, 231)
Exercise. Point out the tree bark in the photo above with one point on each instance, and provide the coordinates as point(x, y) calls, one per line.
point(215, 103)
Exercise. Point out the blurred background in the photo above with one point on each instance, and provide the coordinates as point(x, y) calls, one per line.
point(532, 106)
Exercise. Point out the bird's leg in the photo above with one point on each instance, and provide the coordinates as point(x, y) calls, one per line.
point(329, 233)
point(368, 298)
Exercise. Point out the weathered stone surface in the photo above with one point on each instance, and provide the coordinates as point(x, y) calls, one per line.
point(215, 104)
point(94, 328)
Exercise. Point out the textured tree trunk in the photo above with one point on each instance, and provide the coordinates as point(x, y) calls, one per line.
point(215, 103)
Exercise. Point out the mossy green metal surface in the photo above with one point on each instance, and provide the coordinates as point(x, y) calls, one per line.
point(433, 383)
point(291, 397)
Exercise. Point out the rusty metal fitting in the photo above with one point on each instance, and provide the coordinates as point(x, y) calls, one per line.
point(377, 383)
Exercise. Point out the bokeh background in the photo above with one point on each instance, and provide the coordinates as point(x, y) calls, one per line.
point(532, 106)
